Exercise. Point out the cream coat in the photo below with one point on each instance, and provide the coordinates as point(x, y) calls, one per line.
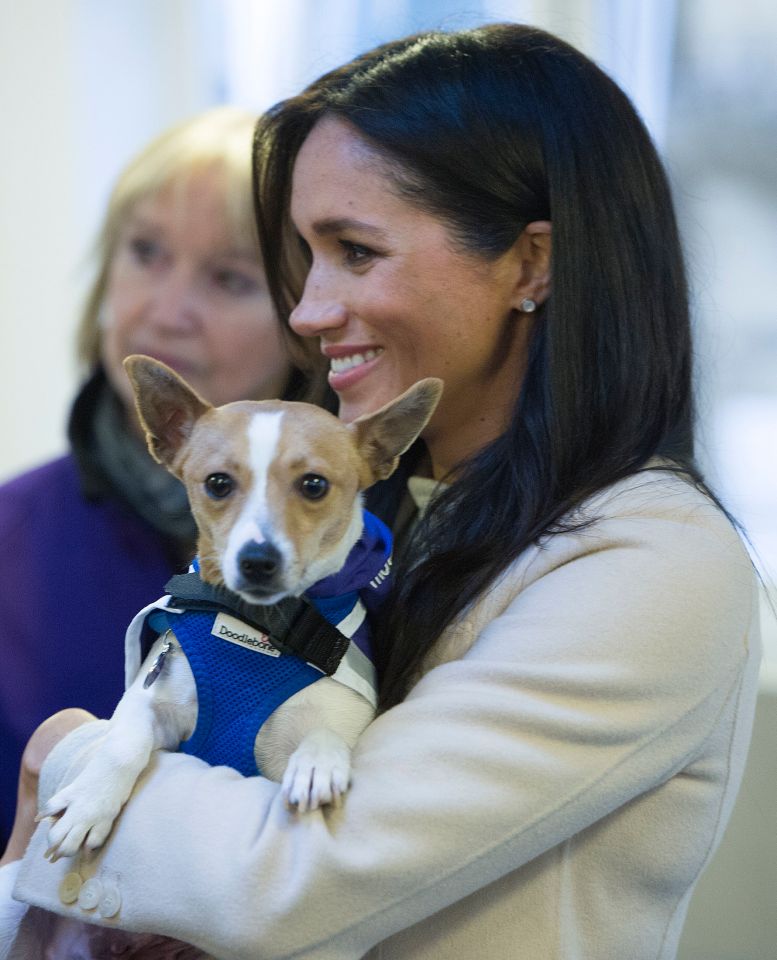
point(551, 789)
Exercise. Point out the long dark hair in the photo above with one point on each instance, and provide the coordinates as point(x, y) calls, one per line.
point(490, 129)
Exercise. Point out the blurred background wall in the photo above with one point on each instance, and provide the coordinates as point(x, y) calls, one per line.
point(85, 83)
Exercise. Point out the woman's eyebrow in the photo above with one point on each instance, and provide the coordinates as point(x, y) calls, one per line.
point(330, 225)
point(140, 222)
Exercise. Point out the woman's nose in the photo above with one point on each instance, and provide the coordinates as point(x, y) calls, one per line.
point(176, 302)
point(317, 311)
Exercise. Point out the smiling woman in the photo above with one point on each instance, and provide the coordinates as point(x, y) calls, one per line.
point(386, 264)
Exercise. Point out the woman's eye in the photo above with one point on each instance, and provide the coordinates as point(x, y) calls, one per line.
point(312, 486)
point(219, 485)
point(235, 282)
point(355, 254)
point(144, 250)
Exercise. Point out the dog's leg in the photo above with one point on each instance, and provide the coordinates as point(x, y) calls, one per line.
point(306, 743)
point(146, 718)
point(319, 772)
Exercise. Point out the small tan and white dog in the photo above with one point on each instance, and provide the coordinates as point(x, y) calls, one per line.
point(275, 489)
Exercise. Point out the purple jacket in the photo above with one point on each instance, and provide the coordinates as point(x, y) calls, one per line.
point(73, 573)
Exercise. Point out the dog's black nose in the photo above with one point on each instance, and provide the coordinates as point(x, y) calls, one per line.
point(259, 562)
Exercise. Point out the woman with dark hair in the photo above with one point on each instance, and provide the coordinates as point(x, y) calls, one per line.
point(491, 132)
point(569, 661)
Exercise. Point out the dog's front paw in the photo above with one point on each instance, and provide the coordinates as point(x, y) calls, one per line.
point(318, 772)
point(82, 817)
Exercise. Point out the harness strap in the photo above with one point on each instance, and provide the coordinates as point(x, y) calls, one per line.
point(292, 625)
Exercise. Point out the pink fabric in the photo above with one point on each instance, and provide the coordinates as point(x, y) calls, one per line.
point(68, 939)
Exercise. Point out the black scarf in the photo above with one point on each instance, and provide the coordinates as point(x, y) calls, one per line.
point(114, 462)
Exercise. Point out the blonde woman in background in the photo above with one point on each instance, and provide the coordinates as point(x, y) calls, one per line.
point(89, 538)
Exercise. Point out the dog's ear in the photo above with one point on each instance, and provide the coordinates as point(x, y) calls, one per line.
point(382, 437)
point(167, 406)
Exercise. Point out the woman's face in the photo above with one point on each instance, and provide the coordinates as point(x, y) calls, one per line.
point(393, 300)
point(181, 288)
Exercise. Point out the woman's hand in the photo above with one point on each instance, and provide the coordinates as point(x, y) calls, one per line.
point(49, 733)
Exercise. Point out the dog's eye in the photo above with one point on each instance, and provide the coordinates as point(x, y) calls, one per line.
point(219, 485)
point(312, 486)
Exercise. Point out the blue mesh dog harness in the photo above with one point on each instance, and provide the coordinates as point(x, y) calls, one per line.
point(241, 675)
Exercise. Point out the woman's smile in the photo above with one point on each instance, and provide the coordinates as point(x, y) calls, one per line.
point(347, 365)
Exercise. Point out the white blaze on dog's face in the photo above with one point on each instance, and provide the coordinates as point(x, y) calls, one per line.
point(273, 485)
point(275, 493)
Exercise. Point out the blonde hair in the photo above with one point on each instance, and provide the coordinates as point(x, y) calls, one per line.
point(218, 140)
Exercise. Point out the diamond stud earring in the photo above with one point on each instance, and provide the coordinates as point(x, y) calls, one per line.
point(528, 305)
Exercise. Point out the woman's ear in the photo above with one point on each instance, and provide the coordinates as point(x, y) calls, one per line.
point(533, 249)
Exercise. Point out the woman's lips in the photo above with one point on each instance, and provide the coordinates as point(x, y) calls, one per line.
point(348, 368)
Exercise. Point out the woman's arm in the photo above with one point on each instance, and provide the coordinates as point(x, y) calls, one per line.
point(11, 911)
point(599, 682)
point(44, 738)
point(50, 732)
